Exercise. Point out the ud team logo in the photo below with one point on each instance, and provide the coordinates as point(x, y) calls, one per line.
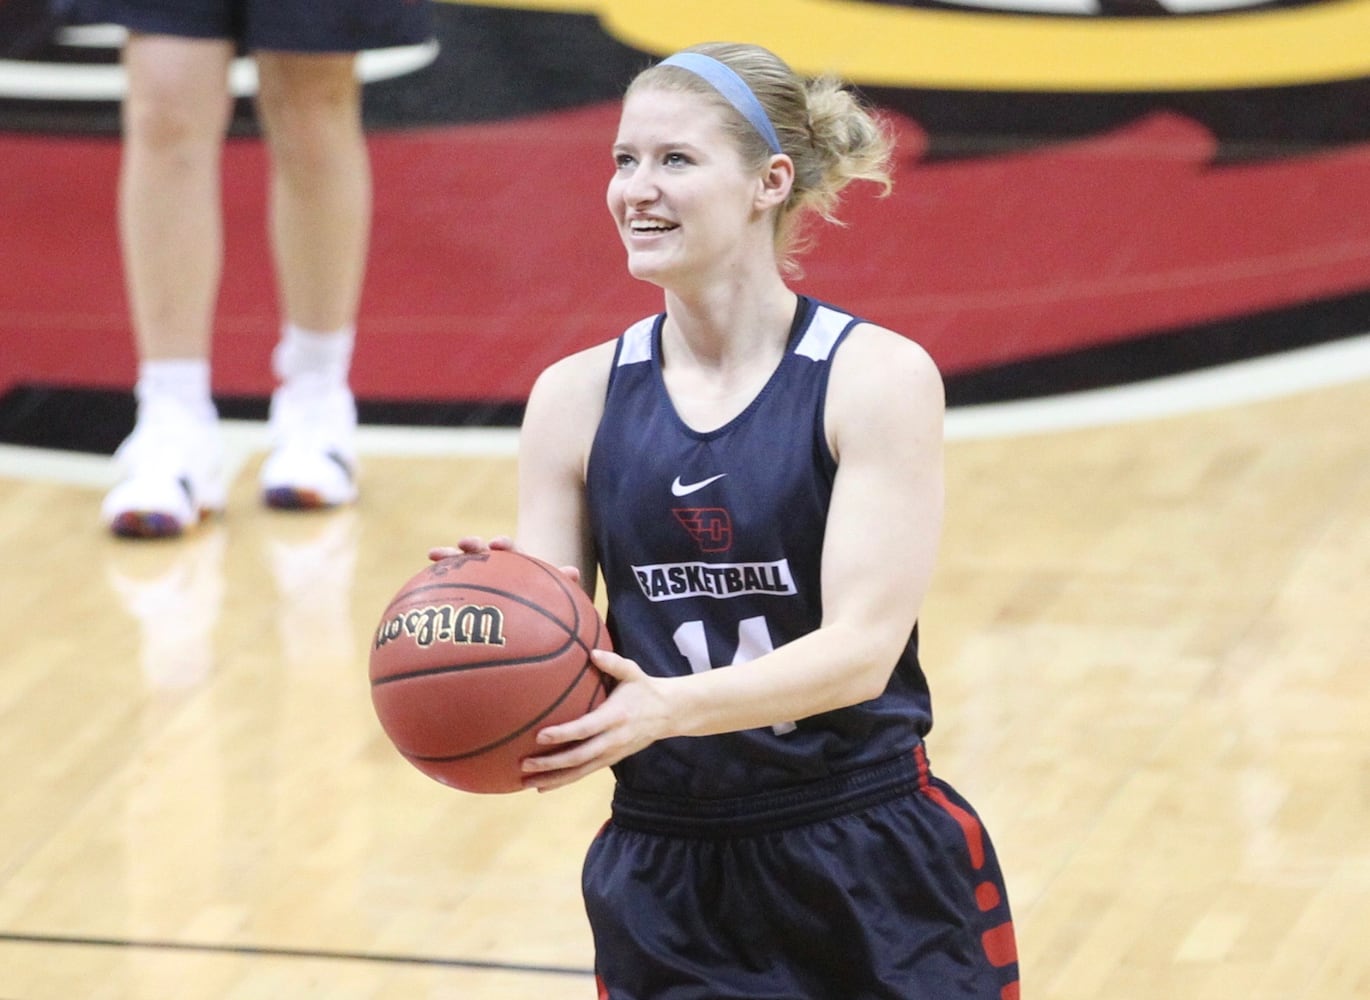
point(710, 527)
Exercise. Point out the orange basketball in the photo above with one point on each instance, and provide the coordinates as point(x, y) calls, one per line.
point(477, 653)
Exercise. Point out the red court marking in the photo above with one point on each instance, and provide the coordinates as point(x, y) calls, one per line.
point(493, 253)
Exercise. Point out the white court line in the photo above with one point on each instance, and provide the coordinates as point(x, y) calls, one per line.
point(244, 439)
point(1236, 384)
point(35, 81)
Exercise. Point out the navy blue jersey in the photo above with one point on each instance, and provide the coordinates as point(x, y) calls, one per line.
point(710, 544)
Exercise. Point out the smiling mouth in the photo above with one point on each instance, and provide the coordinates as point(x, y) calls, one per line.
point(650, 227)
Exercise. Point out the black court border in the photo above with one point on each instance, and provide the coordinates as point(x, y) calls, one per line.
point(263, 951)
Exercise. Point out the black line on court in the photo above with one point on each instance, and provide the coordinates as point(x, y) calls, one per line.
point(93, 420)
point(261, 951)
point(1161, 353)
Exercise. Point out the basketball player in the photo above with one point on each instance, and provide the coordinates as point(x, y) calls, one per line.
point(758, 475)
point(175, 115)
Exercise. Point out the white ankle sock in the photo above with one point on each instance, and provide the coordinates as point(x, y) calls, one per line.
point(185, 380)
point(323, 357)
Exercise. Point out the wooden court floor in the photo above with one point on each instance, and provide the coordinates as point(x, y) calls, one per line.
point(1150, 653)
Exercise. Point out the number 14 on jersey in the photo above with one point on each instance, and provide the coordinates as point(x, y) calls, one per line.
point(753, 640)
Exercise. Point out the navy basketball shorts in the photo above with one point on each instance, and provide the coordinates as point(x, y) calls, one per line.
point(876, 885)
point(273, 25)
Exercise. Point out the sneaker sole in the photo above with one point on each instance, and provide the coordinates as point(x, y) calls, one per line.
point(291, 498)
point(146, 524)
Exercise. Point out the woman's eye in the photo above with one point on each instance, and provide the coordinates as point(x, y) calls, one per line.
point(622, 160)
point(675, 159)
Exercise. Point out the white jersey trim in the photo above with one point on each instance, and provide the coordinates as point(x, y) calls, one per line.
point(637, 342)
point(824, 330)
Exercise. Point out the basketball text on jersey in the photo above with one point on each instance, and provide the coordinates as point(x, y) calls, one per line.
point(466, 625)
point(674, 581)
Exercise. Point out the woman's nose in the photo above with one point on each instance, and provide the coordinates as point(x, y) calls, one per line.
point(640, 187)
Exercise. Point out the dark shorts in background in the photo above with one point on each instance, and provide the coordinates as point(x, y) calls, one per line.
point(274, 25)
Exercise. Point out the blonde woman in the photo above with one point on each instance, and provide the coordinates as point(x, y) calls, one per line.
point(758, 476)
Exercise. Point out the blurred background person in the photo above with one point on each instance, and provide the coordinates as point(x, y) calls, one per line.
point(176, 114)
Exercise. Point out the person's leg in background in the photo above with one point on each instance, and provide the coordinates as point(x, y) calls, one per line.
point(175, 115)
point(309, 105)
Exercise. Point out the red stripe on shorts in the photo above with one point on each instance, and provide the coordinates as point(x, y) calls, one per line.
point(970, 826)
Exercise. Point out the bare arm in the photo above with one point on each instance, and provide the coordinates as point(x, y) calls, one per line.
point(884, 415)
point(558, 428)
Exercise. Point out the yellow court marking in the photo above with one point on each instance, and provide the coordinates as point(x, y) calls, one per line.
point(878, 45)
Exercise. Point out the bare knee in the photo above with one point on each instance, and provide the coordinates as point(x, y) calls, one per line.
point(177, 96)
point(310, 109)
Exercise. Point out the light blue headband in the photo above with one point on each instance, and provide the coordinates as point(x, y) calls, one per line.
point(734, 89)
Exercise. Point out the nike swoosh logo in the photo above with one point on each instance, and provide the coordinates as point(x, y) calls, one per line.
point(685, 489)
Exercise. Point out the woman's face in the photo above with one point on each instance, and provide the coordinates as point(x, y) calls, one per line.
point(684, 203)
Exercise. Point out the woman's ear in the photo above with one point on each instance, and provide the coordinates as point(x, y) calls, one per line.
point(777, 180)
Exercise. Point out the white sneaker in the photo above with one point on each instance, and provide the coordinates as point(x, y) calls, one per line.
point(172, 466)
point(313, 462)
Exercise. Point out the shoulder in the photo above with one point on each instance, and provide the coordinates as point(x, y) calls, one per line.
point(584, 374)
point(883, 384)
point(564, 410)
point(873, 356)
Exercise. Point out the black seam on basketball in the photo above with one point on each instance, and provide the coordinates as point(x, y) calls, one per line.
point(561, 583)
point(572, 639)
point(461, 668)
point(451, 758)
point(438, 593)
point(486, 588)
point(546, 569)
point(594, 694)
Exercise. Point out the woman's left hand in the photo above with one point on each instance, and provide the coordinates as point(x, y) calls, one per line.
point(471, 545)
point(475, 546)
point(635, 715)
